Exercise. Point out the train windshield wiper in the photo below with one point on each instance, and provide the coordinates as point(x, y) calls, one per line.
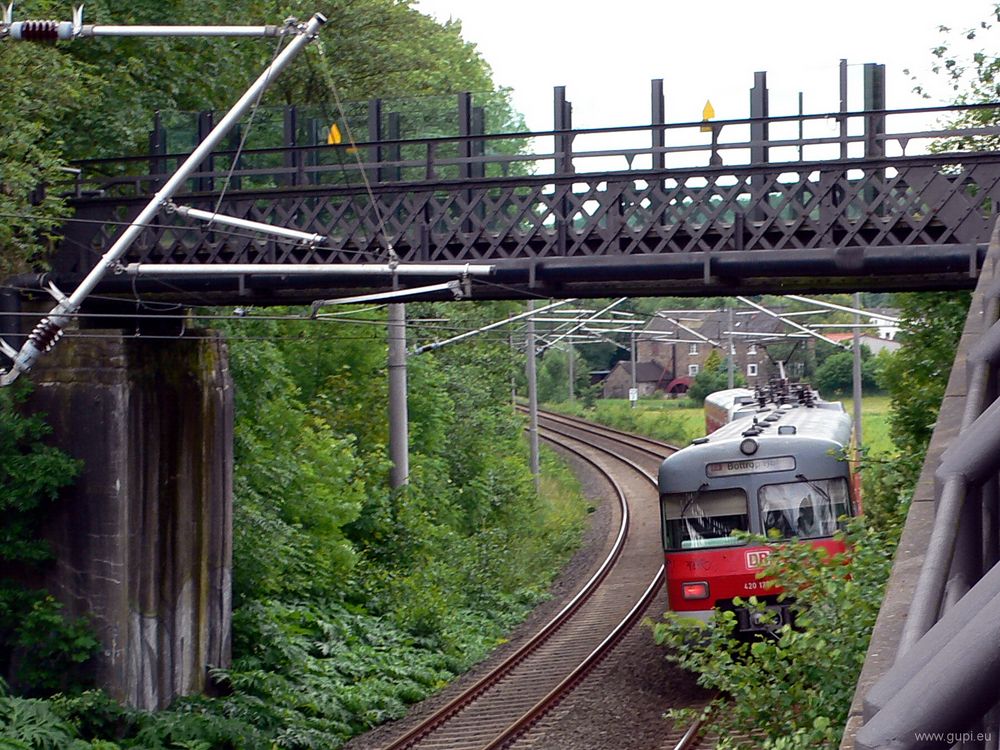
point(694, 496)
point(816, 486)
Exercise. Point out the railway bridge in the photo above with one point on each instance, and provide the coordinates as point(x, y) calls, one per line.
point(837, 201)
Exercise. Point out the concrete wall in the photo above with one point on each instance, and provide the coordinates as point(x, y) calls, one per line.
point(143, 539)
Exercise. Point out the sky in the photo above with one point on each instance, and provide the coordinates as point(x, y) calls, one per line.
point(607, 52)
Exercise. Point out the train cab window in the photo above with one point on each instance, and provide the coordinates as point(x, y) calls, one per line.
point(807, 509)
point(704, 518)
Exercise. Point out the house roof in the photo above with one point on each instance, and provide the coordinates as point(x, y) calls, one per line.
point(645, 372)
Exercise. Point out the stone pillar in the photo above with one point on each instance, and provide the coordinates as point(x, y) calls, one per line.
point(143, 539)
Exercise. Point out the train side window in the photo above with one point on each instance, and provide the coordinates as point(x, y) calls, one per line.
point(704, 518)
point(804, 509)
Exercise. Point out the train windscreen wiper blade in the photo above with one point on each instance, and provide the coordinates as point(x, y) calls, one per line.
point(694, 496)
point(816, 486)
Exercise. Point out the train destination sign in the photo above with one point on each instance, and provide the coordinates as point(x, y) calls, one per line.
point(750, 466)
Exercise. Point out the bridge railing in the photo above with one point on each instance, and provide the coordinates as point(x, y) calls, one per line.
point(931, 682)
point(832, 181)
point(472, 158)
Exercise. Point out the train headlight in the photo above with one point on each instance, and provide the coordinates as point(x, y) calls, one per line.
point(748, 447)
point(694, 589)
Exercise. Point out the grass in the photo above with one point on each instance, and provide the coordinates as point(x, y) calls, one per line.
point(875, 411)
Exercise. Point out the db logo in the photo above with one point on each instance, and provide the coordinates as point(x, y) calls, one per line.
point(757, 558)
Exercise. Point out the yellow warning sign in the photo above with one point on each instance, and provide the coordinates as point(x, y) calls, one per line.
point(707, 114)
point(333, 137)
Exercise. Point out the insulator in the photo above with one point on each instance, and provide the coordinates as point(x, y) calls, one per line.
point(40, 31)
point(45, 335)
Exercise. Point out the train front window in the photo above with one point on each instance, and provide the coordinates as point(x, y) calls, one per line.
point(807, 509)
point(704, 518)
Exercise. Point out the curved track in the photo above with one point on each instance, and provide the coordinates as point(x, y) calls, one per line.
point(504, 704)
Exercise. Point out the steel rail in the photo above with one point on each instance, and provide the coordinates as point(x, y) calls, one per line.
point(690, 738)
point(603, 649)
point(561, 690)
point(591, 427)
point(442, 715)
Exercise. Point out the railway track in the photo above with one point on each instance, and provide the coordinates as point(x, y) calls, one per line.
point(649, 446)
point(504, 707)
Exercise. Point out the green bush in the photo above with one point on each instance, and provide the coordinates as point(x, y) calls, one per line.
point(795, 688)
point(41, 651)
point(795, 685)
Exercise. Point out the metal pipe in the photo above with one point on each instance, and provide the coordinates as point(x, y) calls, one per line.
point(454, 286)
point(307, 269)
point(973, 453)
point(955, 688)
point(570, 370)
point(904, 670)
point(91, 30)
point(760, 263)
point(50, 328)
point(730, 355)
point(256, 226)
point(929, 591)
point(967, 560)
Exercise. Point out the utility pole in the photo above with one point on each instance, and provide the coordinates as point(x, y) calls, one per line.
point(532, 397)
point(731, 377)
point(513, 379)
point(398, 417)
point(572, 374)
point(856, 341)
point(633, 393)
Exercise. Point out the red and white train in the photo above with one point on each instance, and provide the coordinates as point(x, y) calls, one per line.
point(776, 468)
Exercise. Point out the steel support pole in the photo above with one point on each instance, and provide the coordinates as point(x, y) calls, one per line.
point(398, 418)
point(843, 109)
point(759, 152)
point(658, 134)
point(375, 137)
point(532, 398)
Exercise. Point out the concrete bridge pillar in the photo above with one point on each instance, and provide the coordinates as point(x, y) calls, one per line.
point(142, 540)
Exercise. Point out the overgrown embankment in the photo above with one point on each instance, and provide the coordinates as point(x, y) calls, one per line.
point(351, 600)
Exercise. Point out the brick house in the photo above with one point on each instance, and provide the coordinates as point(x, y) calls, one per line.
point(649, 376)
point(682, 343)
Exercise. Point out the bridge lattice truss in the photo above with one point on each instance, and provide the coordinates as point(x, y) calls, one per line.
point(567, 217)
